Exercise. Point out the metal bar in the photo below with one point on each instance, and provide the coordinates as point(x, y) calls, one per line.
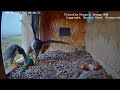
point(2, 70)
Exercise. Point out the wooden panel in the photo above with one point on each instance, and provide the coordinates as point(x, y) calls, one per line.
point(52, 21)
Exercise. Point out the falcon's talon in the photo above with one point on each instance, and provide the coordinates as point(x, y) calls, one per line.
point(16, 64)
point(11, 52)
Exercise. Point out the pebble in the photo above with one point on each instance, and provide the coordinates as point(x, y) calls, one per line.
point(85, 75)
point(59, 65)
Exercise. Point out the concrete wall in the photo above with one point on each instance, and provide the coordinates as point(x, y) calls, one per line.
point(27, 34)
point(103, 42)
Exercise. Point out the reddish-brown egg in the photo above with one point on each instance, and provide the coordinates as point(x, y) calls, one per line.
point(97, 66)
point(84, 67)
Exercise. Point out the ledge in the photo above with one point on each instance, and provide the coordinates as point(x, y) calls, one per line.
point(109, 69)
point(10, 68)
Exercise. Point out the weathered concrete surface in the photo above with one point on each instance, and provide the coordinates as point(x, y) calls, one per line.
point(103, 42)
point(27, 33)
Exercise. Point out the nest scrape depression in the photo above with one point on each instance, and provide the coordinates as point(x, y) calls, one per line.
point(60, 65)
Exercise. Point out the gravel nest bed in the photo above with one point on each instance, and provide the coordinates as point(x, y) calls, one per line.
point(59, 65)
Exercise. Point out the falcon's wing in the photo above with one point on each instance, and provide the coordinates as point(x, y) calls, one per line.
point(9, 52)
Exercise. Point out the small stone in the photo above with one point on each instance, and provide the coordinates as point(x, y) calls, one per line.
point(85, 75)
